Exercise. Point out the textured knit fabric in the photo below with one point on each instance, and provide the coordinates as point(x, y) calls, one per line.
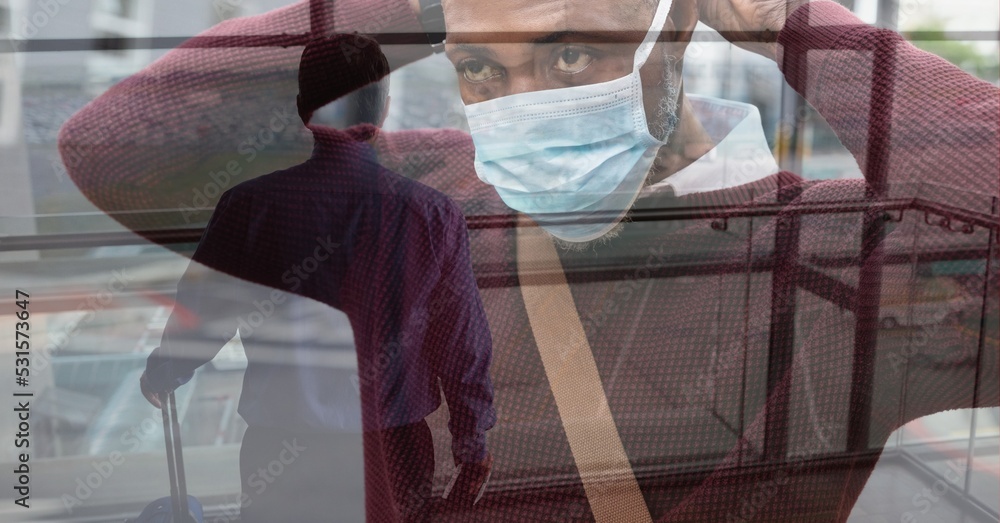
point(680, 314)
point(390, 253)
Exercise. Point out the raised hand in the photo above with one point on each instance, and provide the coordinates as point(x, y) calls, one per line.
point(750, 24)
point(469, 482)
point(147, 391)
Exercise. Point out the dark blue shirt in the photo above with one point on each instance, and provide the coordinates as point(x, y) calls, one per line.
point(390, 253)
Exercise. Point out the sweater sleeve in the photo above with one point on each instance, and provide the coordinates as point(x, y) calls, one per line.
point(216, 111)
point(915, 123)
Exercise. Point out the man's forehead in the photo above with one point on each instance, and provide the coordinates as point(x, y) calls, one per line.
point(541, 17)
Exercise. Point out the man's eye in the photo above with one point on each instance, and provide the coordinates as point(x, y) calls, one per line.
point(573, 60)
point(477, 71)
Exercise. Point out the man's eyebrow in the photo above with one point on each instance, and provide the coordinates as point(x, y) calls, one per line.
point(550, 38)
point(585, 36)
point(473, 49)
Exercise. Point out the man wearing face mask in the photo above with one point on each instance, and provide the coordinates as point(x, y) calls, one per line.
point(664, 387)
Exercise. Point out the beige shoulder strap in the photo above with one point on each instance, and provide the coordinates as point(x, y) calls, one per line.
point(605, 470)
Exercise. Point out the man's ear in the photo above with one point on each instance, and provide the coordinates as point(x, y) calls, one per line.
point(385, 110)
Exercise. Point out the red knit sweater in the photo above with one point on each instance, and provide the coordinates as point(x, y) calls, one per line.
point(682, 316)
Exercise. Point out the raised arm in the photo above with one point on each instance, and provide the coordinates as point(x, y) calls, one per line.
point(211, 113)
point(910, 118)
point(905, 114)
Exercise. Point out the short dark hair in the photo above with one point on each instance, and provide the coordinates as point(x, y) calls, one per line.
point(334, 66)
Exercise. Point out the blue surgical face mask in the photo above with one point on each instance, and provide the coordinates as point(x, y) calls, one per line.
point(574, 159)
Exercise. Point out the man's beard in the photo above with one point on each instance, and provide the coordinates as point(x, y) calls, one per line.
point(661, 127)
point(665, 122)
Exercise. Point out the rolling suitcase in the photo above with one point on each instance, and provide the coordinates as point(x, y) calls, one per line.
point(180, 503)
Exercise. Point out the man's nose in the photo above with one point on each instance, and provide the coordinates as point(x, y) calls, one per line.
point(522, 83)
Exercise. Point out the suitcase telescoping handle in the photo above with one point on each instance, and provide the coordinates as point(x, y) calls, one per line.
point(175, 461)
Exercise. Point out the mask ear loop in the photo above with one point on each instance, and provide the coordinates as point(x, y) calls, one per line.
point(646, 47)
point(641, 55)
